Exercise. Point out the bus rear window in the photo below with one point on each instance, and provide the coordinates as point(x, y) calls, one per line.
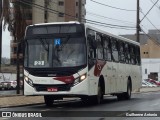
point(54, 29)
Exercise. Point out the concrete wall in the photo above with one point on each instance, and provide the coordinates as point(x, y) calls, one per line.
point(7, 76)
point(150, 50)
point(38, 14)
point(152, 66)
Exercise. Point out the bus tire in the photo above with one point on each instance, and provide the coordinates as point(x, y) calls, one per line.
point(48, 100)
point(120, 96)
point(127, 95)
point(97, 99)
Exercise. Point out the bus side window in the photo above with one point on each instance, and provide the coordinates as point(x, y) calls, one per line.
point(127, 53)
point(138, 55)
point(99, 46)
point(107, 48)
point(132, 52)
point(91, 41)
point(114, 50)
point(121, 52)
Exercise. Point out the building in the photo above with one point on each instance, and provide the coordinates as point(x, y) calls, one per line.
point(150, 54)
point(45, 11)
point(149, 46)
point(151, 69)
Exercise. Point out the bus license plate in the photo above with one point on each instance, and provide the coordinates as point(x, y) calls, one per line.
point(52, 89)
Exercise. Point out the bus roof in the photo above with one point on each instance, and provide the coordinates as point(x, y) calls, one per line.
point(91, 27)
point(112, 35)
point(55, 23)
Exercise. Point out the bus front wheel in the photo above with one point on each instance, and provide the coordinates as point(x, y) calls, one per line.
point(48, 100)
point(96, 99)
point(99, 97)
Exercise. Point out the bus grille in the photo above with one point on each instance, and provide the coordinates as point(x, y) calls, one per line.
point(62, 87)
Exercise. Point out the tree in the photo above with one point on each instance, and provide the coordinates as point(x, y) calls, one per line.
point(14, 15)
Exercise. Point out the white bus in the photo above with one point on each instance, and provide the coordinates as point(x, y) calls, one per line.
point(69, 59)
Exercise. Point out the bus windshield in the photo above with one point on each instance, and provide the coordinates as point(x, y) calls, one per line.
point(55, 52)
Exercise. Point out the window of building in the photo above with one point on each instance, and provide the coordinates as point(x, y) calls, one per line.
point(76, 15)
point(145, 52)
point(76, 3)
point(61, 3)
point(61, 14)
point(145, 71)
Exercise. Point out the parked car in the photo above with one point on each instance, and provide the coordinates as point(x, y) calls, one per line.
point(148, 84)
point(9, 84)
point(144, 84)
point(154, 81)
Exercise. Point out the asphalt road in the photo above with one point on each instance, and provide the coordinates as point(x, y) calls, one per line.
point(139, 102)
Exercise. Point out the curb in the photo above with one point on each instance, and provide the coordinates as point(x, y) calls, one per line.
point(30, 104)
point(12, 106)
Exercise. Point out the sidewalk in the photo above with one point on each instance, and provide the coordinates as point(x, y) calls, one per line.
point(19, 100)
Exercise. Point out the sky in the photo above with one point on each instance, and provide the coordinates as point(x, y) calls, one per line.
point(107, 15)
point(128, 18)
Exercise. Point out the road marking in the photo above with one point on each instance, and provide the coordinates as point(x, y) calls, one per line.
point(155, 104)
point(45, 110)
point(4, 118)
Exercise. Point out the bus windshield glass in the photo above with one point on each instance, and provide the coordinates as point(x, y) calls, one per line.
point(55, 52)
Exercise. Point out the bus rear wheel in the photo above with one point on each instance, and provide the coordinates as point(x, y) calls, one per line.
point(48, 100)
point(127, 95)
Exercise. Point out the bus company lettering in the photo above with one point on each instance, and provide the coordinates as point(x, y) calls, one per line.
point(98, 67)
point(111, 68)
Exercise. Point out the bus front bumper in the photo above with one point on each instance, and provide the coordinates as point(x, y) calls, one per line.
point(80, 89)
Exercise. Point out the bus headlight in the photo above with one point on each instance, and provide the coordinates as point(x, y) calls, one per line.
point(80, 79)
point(83, 77)
point(29, 81)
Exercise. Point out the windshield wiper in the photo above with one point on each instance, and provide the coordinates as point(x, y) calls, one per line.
point(45, 45)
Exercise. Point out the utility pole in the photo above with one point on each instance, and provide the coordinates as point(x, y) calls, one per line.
point(138, 22)
point(0, 35)
point(80, 11)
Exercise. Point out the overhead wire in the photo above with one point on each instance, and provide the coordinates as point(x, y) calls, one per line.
point(93, 14)
point(102, 25)
point(151, 38)
point(55, 12)
point(108, 18)
point(156, 4)
point(149, 10)
point(150, 22)
point(111, 6)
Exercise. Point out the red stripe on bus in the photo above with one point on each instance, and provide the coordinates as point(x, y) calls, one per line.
point(65, 79)
point(98, 67)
